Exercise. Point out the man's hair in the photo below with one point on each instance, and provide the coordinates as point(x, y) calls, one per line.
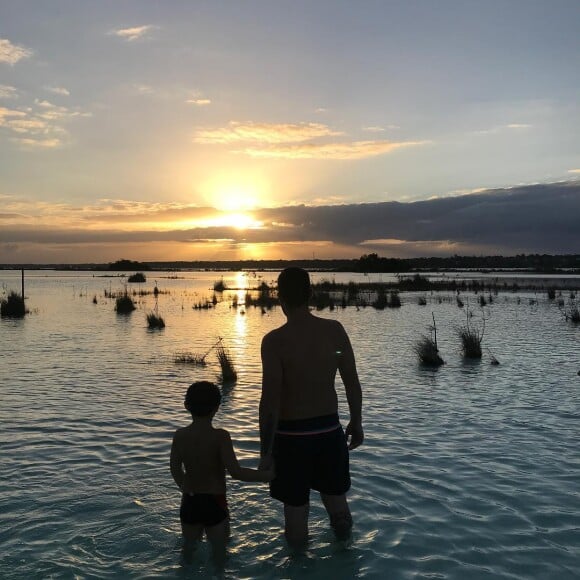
point(202, 398)
point(294, 286)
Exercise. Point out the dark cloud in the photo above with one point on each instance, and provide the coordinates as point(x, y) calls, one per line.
point(534, 218)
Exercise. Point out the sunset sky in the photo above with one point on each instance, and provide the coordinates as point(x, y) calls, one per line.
point(190, 129)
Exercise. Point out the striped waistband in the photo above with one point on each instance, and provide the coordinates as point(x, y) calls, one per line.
point(309, 426)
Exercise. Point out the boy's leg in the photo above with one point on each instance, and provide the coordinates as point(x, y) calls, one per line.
point(339, 514)
point(192, 532)
point(218, 536)
point(296, 525)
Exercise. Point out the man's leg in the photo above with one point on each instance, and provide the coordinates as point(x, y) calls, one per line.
point(296, 525)
point(339, 514)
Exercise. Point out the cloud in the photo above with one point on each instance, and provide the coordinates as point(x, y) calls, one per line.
point(12, 53)
point(8, 92)
point(39, 143)
point(58, 91)
point(374, 129)
point(4, 113)
point(265, 133)
point(39, 127)
point(502, 128)
point(352, 150)
point(133, 33)
point(539, 218)
point(198, 102)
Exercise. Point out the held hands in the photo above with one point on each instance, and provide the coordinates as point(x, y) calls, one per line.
point(354, 434)
point(266, 467)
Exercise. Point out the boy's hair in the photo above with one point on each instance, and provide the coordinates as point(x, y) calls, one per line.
point(202, 398)
point(294, 286)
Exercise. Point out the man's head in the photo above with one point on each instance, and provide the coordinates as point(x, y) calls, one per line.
point(202, 399)
point(294, 287)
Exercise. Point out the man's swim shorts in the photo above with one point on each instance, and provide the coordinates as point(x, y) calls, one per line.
point(309, 454)
point(206, 509)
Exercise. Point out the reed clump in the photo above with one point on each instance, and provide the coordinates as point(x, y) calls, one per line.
point(471, 338)
point(124, 304)
point(571, 313)
point(428, 352)
point(154, 321)
point(190, 358)
point(220, 286)
point(138, 277)
point(13, 306)
point(229, 374)
point(427, 349)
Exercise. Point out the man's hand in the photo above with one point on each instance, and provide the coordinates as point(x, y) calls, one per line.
point(354, 435)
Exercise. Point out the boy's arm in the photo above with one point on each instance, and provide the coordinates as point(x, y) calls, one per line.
point(349, 376)
point(271, 394)
point(234, 468)
point(175, 463)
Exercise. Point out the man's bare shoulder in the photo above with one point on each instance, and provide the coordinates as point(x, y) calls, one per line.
point(274, 336)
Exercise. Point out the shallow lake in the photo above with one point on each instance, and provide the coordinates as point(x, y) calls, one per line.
point(468, 471)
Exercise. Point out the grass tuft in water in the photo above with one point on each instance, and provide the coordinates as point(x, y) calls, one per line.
point(13, 306)
point(124, 304)
point(229, 374)
point(155, 321)
point(471, 338)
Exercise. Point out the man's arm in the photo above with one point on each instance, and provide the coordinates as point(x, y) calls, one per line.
point(271, 394)
point(349, 376)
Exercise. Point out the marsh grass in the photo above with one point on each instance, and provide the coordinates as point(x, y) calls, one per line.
point(155, 321)
point(427, 349)
point(190, 358)
point(138, 278)
point(13, 306)
point(219, 286)
point(471, 338)
point(229, 374)
point(571, 312)
point(124, 304)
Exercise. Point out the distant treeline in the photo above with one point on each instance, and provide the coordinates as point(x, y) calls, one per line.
point(367, 263)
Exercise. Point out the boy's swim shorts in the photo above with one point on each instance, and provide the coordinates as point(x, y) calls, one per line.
point(203, 508)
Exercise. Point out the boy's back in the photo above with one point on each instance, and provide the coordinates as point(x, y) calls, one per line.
point(200, 449)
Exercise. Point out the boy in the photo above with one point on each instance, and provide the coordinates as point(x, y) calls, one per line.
point(200, 454)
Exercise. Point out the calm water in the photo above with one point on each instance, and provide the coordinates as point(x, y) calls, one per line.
point(470, 471)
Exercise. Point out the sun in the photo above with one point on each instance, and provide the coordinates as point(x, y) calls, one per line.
point(239, 221)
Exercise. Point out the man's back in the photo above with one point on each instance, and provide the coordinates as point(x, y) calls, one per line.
point(309, 350)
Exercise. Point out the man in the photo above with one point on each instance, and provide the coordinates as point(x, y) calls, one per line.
point(299, 421)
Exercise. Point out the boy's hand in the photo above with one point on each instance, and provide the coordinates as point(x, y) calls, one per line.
point(355, 432)
point(266, 467)
point(266, 462)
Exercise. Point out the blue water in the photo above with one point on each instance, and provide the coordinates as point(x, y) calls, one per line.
point(470, 471)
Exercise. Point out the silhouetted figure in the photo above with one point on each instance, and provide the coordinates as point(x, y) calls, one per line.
point(200, 454)
point(299, 423)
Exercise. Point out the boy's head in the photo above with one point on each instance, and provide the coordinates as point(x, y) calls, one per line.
point(294, 287)
point(202, 399)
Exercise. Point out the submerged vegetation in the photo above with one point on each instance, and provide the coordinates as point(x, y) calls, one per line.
point(13, 306)
point(471, 337)
point(124, 304)
point(138, 277)
point(427, 349)
point(155, 321)
point(229, 374)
